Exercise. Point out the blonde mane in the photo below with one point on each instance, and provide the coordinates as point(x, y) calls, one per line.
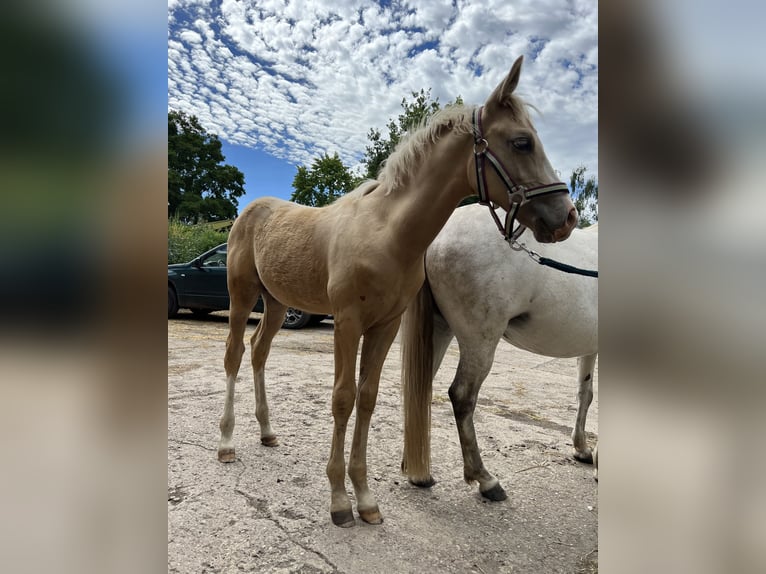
point(455, 119)
point(410, 149)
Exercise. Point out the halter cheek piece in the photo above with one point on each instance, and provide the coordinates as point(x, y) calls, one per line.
point(518, 194)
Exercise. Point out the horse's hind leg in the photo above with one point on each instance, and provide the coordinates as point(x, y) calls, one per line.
point(474, 366)
point(442, 337)
point(243, 296)
point(595, 462)
point(585, 367)
point(273, 317)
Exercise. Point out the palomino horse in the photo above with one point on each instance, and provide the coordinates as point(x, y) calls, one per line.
point(479, 290)
point(361, 260)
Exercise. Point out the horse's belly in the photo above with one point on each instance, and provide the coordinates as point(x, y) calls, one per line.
point(553, 338)
point(296, 281)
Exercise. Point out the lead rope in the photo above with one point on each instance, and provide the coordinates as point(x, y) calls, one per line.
point(516, 246)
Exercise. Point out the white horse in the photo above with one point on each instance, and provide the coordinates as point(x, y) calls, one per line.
point(479, 290)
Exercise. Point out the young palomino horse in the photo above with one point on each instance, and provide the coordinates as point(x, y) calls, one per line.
point(479, 290)
point(361, 260)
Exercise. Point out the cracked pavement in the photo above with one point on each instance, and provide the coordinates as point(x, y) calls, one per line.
point(269, 510)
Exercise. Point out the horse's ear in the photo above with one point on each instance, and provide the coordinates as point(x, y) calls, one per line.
point(503, 92)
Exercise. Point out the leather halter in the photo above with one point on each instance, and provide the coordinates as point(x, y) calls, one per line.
point(518, 194)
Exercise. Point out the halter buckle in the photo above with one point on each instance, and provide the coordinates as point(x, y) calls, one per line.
point(480, 146)
point(517, 196)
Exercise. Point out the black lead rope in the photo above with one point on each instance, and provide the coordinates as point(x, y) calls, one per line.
point(552, 262)
point(566, 268)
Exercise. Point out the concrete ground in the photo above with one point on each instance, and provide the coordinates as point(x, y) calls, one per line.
point(269, 511)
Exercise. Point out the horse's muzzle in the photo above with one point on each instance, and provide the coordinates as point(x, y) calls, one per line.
point(565, 230)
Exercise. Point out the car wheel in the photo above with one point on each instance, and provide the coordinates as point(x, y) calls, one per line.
point(295, 319)
point(172, 302)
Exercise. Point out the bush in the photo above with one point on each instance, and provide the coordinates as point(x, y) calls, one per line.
point(185, 242)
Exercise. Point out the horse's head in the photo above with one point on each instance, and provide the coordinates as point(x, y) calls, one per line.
point(510, 168)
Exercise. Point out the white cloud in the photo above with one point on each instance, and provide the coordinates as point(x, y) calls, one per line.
point(190, 37)
point(302, 77)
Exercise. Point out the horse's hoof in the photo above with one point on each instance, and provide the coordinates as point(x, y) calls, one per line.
point(343, 518)
point(269, 440)
point(586, 457)
point(495, 494)
point(595, 474)
point(425, 483)
point(371, 516)
point(226, 455)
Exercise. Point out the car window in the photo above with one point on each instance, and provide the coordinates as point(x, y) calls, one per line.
point(217, 259)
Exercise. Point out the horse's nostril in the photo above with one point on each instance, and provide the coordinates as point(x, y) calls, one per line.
point(572, 217)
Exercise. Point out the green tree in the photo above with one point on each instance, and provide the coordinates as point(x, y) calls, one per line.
point(323, 183)
point(200, 186)
point(584, 195)
point(414, 112)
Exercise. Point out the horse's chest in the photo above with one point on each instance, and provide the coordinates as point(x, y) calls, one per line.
point(377, 286)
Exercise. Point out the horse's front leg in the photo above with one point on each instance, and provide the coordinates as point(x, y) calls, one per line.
point(585, 366)
point(377, 342)
point(347, 336)
point(473, 368)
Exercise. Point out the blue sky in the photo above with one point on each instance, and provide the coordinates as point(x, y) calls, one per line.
point(284, 81)
point(265, 174)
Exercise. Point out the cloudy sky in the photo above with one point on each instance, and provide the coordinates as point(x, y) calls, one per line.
point(283, 81)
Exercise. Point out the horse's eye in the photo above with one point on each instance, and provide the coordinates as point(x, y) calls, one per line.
point(522, 144)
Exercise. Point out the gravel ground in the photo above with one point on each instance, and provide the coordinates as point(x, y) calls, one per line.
point(269, 511)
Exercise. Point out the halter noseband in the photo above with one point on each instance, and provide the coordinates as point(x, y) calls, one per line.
point(518, 194)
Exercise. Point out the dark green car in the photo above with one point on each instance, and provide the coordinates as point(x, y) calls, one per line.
point(200, 286)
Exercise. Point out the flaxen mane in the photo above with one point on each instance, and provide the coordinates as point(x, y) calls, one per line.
point(399, 164)
point(454, 118)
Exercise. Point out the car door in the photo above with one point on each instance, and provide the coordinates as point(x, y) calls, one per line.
point(205, 281)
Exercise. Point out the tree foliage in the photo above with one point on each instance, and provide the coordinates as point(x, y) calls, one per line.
point(323, 183)
point(186, 241)
point(200, 186)
point(414, 113)
point(584, 195)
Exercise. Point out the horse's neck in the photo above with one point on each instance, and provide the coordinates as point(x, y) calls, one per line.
point(430, 195)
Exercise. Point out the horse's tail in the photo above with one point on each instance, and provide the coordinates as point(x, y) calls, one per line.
point(417, 379)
